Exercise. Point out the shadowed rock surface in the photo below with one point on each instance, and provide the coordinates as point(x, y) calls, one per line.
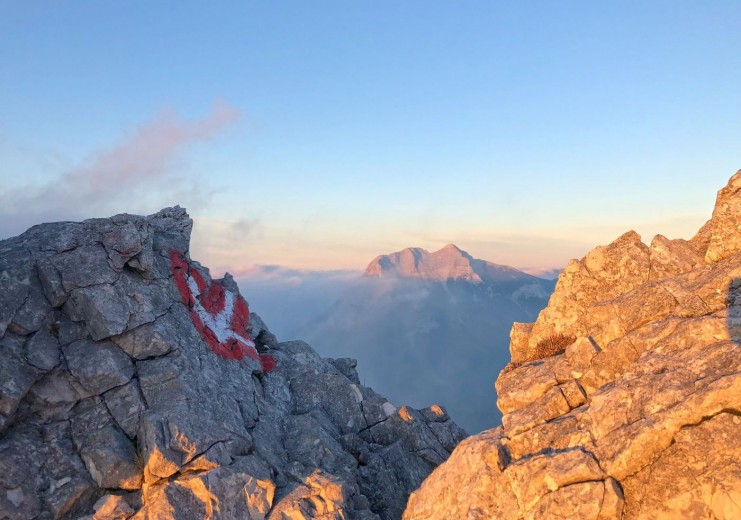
point(640, 415)
point(129, 389)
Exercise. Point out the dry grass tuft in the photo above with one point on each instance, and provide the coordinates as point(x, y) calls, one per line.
point(551, 346)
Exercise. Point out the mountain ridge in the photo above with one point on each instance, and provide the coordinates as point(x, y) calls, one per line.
point(448, 263)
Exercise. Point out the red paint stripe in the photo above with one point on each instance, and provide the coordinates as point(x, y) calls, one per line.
point(268, 362)
point(241, 318)
point(213, 300)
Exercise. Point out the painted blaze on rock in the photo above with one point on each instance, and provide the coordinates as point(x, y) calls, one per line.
point(221, 317)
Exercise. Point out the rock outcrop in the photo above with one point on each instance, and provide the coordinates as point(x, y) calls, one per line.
point(132, 385)
point(638, 413)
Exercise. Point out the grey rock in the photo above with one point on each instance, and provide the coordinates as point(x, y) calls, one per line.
point(311, 439)
point(98, 366)
point(259, 332)
point(51, 282)
point(346, 367)
point(150, 339)
point(84, 266)
point(16, 376)
point(161, 381)
point(108, 454)
point(42, 349)
point(171, 229)
point(14, 288)
point(42, 474)
point(122, 243)
point(53, 396)
point(113, 405)
point(30, 316)
point(310, 392)
point(101, 307)
point(125, 403)
point(145, 301)
point(447, 433)
point(68, 331)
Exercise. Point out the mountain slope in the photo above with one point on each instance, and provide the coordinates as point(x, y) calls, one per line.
point(623, 398)
point(131, 383)
point(431, 326)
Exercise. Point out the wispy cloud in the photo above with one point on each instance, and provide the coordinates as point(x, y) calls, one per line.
point(226, 245)
point(137, 174)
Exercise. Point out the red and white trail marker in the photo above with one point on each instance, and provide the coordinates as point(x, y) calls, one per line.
point(221, 318)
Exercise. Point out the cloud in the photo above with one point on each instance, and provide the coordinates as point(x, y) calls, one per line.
point(290, 298)
point(547, 273)
point(277, 275)
point(138, 174)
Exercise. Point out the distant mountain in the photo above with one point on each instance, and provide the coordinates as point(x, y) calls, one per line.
point(431, 327)
point(449, 263)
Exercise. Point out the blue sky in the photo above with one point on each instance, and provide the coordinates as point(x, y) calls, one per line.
point(319, 134)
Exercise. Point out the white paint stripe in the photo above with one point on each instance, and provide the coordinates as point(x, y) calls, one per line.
point(221, 323)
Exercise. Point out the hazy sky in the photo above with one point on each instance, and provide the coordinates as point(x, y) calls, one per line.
point(320, 134)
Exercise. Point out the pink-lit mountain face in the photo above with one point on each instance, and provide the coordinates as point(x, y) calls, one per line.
point(448, 264)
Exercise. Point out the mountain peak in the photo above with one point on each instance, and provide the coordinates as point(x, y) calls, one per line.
point(451, 247)
point(448, 263)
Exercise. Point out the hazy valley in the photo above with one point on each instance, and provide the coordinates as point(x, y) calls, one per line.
point(424, 327)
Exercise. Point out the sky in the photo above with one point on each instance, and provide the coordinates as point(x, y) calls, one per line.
point(317, 135)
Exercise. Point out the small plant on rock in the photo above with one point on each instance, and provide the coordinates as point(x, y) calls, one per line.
point(552, 346)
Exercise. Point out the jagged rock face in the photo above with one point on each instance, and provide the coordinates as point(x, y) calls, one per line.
point(132, 385)
point(640, 415)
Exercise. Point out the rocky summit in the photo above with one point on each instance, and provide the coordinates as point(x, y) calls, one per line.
point(133, 385)
point(623, 399)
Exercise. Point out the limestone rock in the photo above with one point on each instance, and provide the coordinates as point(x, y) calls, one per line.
point(725, 227)
point(112, 507)
point(133, 385)
point(636, 418)
point(98, 366)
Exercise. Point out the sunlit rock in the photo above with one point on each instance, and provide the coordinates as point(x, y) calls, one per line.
point(638, 416)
